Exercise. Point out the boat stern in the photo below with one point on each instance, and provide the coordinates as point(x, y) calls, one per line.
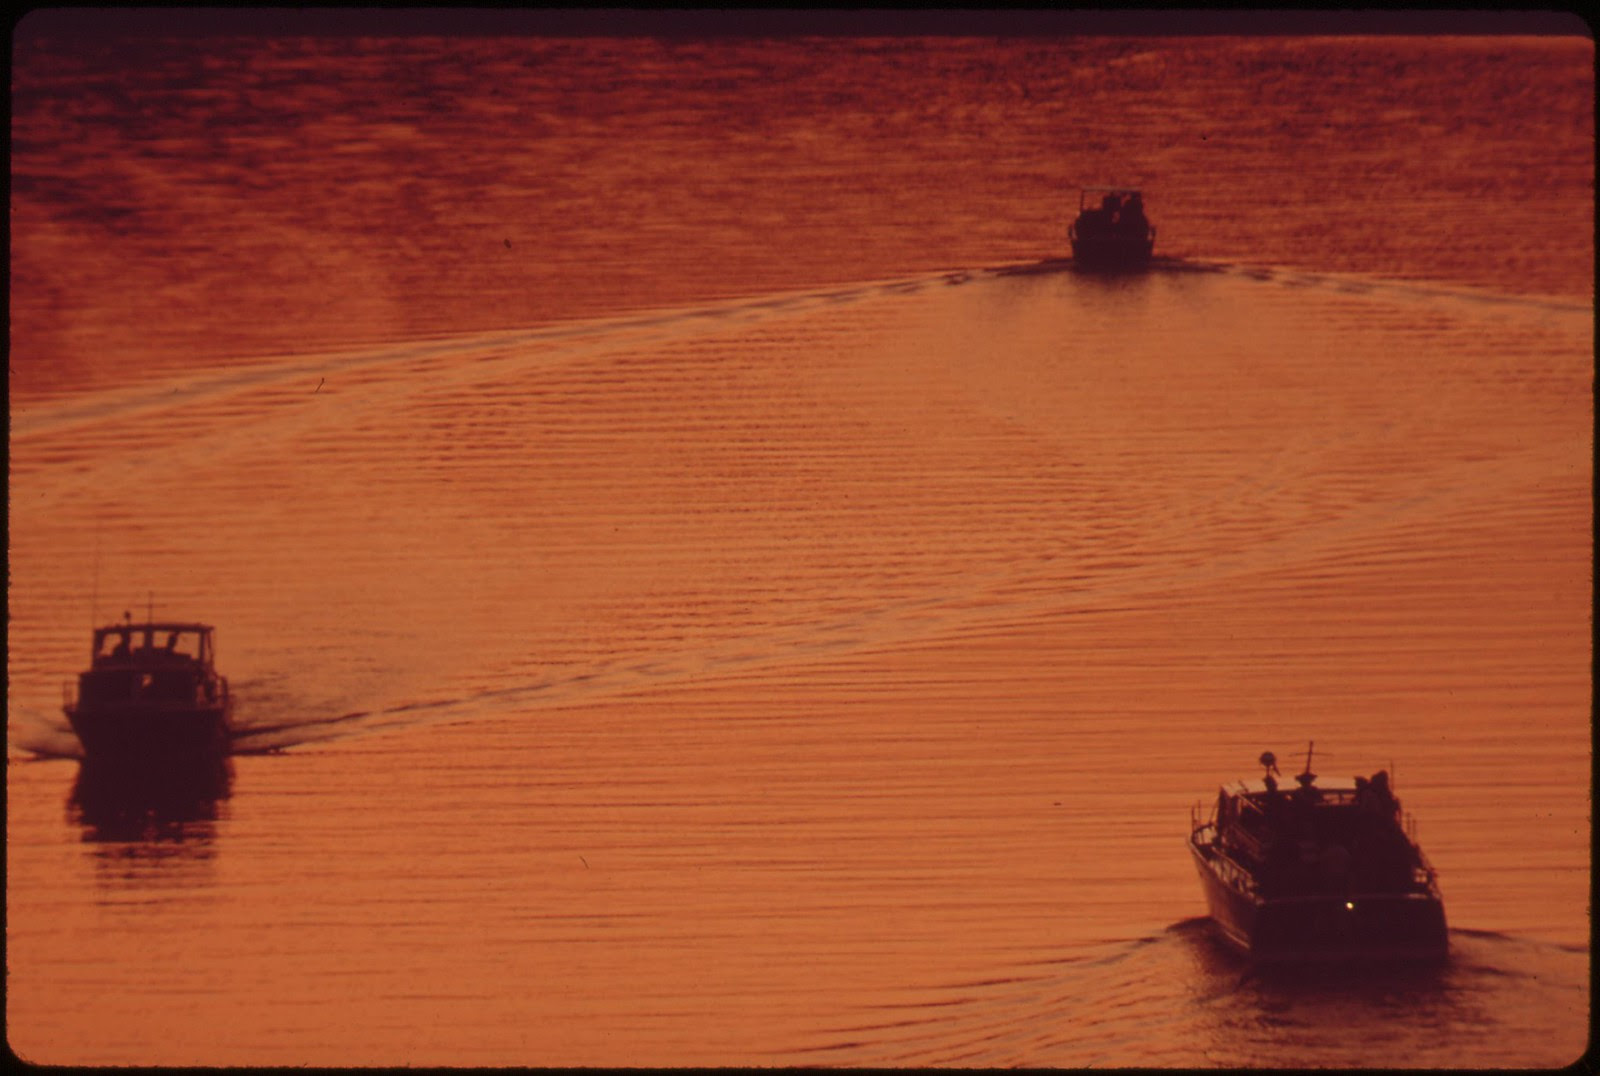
point(1366, 928)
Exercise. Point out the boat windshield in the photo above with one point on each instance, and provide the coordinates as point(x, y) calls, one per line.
point(1107, 197)
point(150, 642)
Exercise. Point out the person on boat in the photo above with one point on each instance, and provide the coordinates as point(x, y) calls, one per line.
point(1382, 797)
point(1111, 209)
point(171, 653)
point(1132, 220)
point(124, 645)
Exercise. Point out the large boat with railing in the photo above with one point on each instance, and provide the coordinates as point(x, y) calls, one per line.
point(1328, 871)
point(151, 690)
point(1111, 231)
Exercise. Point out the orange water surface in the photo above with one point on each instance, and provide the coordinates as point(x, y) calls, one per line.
point(706, 584)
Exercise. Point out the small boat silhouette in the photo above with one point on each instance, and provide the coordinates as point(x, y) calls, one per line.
point(1111, 231)
point(140, 700)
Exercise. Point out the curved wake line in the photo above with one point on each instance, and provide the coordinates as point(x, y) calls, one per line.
point(30, 422)
point(644, 326)
point(1013, 592)
point(1179, 997)
point(1385, 287)
point(1043, 584)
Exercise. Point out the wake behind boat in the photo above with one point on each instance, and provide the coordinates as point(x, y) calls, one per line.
point(1320, 872)
point(151, 691)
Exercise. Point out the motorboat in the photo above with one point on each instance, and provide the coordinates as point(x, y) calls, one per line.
point(1322, 871)
point(1111, 231)
point(151, 690)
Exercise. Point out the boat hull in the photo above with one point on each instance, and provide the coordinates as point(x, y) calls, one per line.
point(1342, 927)
point(1113, 252)
point(151, 731)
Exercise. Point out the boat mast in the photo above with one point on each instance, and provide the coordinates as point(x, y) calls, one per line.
point(1306, 777)
point(94, 593)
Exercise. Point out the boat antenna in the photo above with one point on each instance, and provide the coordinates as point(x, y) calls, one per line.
point(94, 593)
point(1305, 778)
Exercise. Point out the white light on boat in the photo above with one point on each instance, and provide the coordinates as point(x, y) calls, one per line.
point(1349, 906)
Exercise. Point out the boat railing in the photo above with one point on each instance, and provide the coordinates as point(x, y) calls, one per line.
point(1206, 839)
point(1423, 874)
point(1232, 874)
point(1241, 838)
point(1238, 836)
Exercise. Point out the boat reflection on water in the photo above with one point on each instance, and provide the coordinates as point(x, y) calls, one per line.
point(118, 801)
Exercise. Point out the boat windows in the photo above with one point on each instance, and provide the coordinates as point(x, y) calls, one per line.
point(159, 643)
point(177, 645)
point(113, 644)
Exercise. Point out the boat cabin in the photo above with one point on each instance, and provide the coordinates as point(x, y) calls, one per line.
point(156, 661)
point(1302, 839)
point(1105, 212)
point(153, 642)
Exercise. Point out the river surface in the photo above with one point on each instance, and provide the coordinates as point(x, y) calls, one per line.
point(707, 583)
